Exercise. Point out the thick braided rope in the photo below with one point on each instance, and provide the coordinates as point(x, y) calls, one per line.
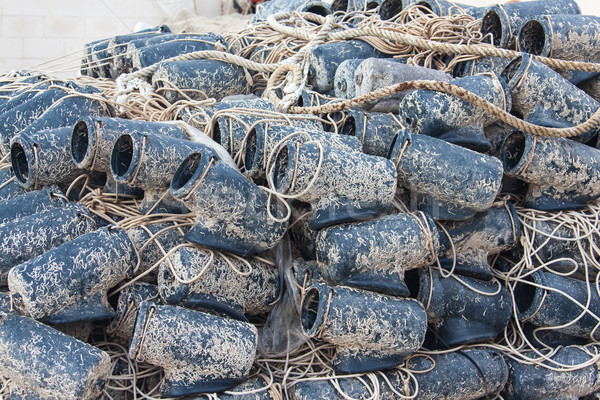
point(460, 92)
point(419, 42)
point(353, 33)
point(298, 33)
point(464, 49)
point(298, 78)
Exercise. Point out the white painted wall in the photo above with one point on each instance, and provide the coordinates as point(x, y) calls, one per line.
point(33, 31)
point(589, 7)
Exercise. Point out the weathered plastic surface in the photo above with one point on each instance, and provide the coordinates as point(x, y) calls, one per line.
point(323, 60)
point(569, 37)
point(5, 302)
point(372, 331)
point(40, 154)
point(542, 338)
point(591, 87)
point(377, 73)
point(146, 240)
point(50, 109)
point(31, 203)
point(80, 330)
point(343, 81)
point(278, 6)
point(229, 126)
point(28, 237)
point(496, 134)
point(301, 236)
point(128, 306)
point(97, 62)
point(19, 97)
point(93, 138)
point(121, 367)
point(505, 21)
point(253, 386)
point(264, 136)
point(121, 50)
point(44, 360)
point(41, 158)
point(557, 245)
point(306, 273)
point(548, 308)
point(578, 78)
point(219, 289)
point(116, 41)
point(231, 211)
point(457, 314)
point(31, 84)
point(118, 45)
point(9, 185)
point(216, 79)
point(69, 282)
point(480, 65)
point(348, 186)
point(22, 76)
point(121, 56)
point(474, 240)
point(17, 118)
point(176, 339)
point(532, 382)
point(375, 131)
point(373, 255)
point(446, 8)
point(310, 98)
point(16, 392)
point(464, 374)
point(145, 56)
point(332, 121)
point(452, 119)
point(354, 5)
point(149, 161)
point(562, 173)
point(232, 119)
point(353, 387)
point(391, 8)
point(545, 98)
point(455, 182)
point(123, 61)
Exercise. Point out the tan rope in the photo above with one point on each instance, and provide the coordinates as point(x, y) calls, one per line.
point(464, 49)
point(583, 225)
point(462, 93)
point(7, 182)
point(200, 179)
point(396, 36)
point(140, 161)
point(151, 312)
point(269, 49)
point(130, 308)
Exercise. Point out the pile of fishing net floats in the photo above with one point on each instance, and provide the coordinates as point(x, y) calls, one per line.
point(343, 200)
